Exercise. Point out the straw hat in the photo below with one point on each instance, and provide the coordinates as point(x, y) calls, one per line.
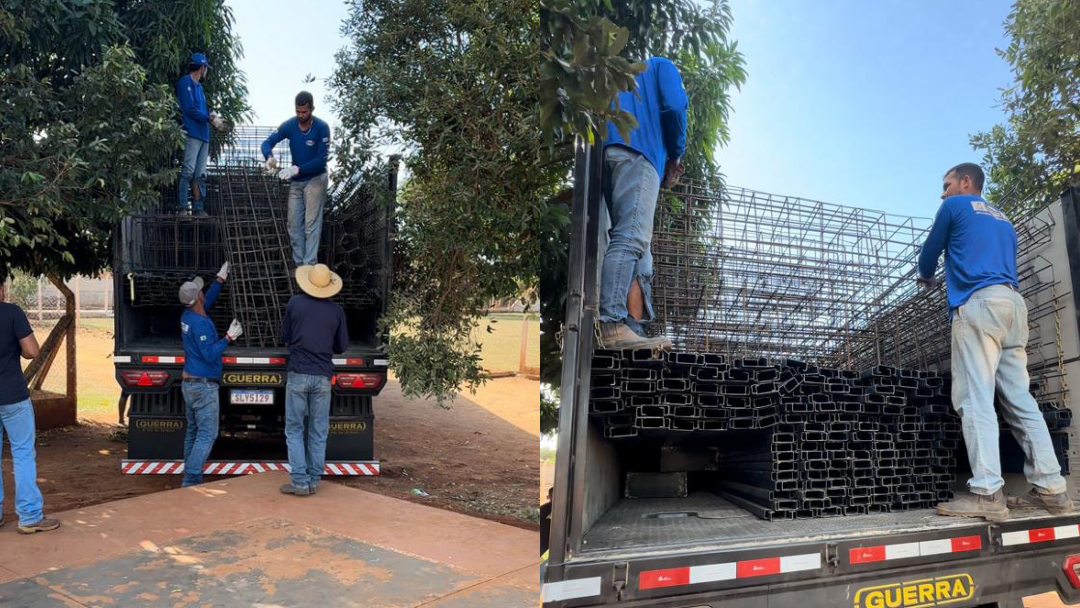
point(318, 281)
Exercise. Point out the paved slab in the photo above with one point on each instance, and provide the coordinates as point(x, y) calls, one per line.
point(241, 542)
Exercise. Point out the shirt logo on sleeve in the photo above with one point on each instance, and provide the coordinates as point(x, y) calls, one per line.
point(202, 338)
point(184, 327)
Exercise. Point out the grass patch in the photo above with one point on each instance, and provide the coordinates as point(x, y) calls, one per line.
point(547, 455)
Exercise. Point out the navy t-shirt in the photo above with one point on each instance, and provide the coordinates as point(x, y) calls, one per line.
point(314, 330)
point(14, 326)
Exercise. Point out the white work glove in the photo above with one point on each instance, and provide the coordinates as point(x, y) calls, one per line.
point(223, 274)
point(235, 331)
point(289, 172)
point(215, 119)
point(271, 164)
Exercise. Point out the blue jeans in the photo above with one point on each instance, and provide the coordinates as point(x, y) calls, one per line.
point(306, 201)
point(989, 334)
point(631, 185)
point(307, 399)
point(17, 420)
point(194, 167)
point(203, 412)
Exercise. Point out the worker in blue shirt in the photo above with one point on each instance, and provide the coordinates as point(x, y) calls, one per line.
point(196, 120)
point(989, 337)
point(202, 371)
point(314, 329)
point(631, 184)
point(309, 144)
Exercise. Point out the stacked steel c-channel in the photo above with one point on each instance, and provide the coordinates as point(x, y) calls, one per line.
point(798, 440)
point(744, 274)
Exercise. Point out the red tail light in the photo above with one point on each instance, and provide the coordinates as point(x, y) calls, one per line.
point(359, 380)
point(144, 378)
point(1072, 570)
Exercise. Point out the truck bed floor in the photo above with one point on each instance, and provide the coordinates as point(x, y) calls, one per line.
point(654, 524)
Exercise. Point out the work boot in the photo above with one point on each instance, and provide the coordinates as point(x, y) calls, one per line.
point(1056, 504)
point(967, 504)
point(295, 490)
point(43, 525)
point(618, 336)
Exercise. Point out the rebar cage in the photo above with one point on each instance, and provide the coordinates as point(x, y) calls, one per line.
point(752, 274)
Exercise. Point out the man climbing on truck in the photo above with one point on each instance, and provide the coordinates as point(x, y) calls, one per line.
point(631, 183)
point(202, 371)
point(309, 144)
point(196, 120)
point(989, 337)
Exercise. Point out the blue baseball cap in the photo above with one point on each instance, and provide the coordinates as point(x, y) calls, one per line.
point(198, 59)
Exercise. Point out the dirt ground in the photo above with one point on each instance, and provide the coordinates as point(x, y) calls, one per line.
point(481, 457)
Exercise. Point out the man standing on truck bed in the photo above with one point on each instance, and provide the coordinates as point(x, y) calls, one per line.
point(17, 416)
point(989, 335)
point(631, 184)
point(196, 125)
point(202, 372)
point(314, 329)
point(309, 144)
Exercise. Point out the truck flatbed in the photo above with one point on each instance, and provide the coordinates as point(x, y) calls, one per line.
point(703, 521)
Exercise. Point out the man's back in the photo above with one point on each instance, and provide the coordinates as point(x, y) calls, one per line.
point(659, 105)
point(14, 326)
point(979, 243)
point(314, 330)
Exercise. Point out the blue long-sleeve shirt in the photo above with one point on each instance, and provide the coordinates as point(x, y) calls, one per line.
point(309, 149)
point(979, 243)
point(193, 112)
point(314, 330)
point(660, 109)
point(202, 348)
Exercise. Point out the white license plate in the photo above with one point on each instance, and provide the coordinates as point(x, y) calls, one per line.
point(251, 397)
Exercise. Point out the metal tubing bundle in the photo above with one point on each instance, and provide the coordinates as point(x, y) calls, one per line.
point(796, 440)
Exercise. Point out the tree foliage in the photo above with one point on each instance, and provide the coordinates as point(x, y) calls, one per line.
point(695, 38)
point(452, 83)
point(90, 127)
point(1036, 153)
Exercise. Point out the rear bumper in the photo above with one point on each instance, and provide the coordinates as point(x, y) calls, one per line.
point(366, 468)
point(998, 579)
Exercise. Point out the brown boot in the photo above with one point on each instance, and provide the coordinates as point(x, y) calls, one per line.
point(966, 504)
point(43, 525)
point(617, 336)
point(1056, 504)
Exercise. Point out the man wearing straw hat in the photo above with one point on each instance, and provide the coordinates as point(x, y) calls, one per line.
point(314, 329)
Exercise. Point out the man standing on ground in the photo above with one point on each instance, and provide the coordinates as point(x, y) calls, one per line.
point(631, 183)
point(989, 335)
point(202, 372)
point(196, 124)
point(309, 144)
point(17, 417)
point(314, 329)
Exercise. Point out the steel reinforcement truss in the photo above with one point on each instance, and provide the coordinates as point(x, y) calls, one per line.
point(751, 274)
